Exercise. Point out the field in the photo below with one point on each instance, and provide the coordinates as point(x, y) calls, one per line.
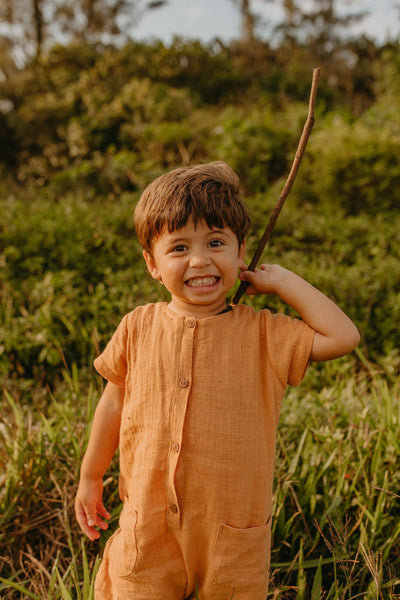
point(70, 267)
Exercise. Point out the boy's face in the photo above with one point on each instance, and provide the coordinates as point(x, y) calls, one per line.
point(198, 266)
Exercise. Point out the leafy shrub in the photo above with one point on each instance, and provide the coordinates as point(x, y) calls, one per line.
point(355, 165)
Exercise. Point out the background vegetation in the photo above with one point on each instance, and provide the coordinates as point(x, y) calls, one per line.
point(83, 128)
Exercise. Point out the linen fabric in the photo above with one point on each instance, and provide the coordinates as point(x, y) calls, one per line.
point(197, 448)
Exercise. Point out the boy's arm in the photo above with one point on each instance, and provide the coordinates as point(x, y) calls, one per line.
point(336, 334)
point(103, 442)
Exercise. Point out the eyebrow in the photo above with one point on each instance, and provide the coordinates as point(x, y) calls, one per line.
point(217, 231)
point(171, 236)
point(171, 239)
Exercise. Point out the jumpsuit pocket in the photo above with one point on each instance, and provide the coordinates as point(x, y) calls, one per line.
point(123, 549)
point(242, 556)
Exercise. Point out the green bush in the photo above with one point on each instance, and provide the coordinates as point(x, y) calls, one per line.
point(354, 165)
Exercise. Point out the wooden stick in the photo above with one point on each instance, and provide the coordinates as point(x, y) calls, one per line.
point(288, 185)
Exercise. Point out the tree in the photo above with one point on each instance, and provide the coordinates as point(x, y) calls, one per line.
point(320, 27)
point(38, 23)
point(291, 21)
point(23, 24)
point(100, 20)
point(33, 25)
point(249, 19)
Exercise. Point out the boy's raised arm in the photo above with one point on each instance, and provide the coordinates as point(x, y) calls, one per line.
point(336, 335)
point(103, 442)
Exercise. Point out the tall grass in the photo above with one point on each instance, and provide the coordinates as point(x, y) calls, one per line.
point(42, 442)
point(337, 489)
point(335, 529)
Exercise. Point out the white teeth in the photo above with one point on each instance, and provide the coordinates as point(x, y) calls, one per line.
point(199, 281)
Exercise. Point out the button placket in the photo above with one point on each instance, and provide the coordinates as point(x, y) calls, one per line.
point(178, 413)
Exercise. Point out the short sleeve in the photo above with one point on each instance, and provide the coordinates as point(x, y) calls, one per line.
point(290, 343)
point(112, 363)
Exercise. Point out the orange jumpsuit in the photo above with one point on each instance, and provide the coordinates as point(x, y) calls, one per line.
point(197, 448)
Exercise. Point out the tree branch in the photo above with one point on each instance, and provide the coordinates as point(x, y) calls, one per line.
point(288, 185)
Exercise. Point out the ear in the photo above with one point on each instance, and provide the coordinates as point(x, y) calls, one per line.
point(151, 265)
point(242, 250)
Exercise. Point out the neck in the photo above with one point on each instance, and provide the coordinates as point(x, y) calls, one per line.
point(197, 310)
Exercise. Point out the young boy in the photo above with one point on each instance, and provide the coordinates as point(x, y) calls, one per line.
point(193, 398)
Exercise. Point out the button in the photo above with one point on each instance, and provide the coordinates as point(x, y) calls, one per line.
point(190, 323)
point(173, 508)
point(183, 382)
point(175, 447)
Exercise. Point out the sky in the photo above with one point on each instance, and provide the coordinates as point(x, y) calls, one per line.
point(208, 19)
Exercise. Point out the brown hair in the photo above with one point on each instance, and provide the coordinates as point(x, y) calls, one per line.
point(209, 192)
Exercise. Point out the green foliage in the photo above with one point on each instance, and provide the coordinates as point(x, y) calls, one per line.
point(356, 164)
point(105, 118)
point(255, 143)
point(64, 264)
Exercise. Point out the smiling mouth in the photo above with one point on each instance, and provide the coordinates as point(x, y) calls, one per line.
point(202, 281)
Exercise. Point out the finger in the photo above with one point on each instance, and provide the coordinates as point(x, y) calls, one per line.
point(87, 516)
point(91, 518)
point(247, 275)
point(96, 521)
point(103, 512)
point(83, 522)
point(251, 290)
point(91, 533)
point(102, 525)
point(244, 275)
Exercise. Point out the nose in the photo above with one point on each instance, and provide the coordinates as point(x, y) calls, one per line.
point(199, 258)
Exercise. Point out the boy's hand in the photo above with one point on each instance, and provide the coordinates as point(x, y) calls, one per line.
point(89, 507)
point(103, 441)
point(265, 280)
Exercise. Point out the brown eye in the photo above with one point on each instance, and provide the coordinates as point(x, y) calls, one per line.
point(215, 243)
